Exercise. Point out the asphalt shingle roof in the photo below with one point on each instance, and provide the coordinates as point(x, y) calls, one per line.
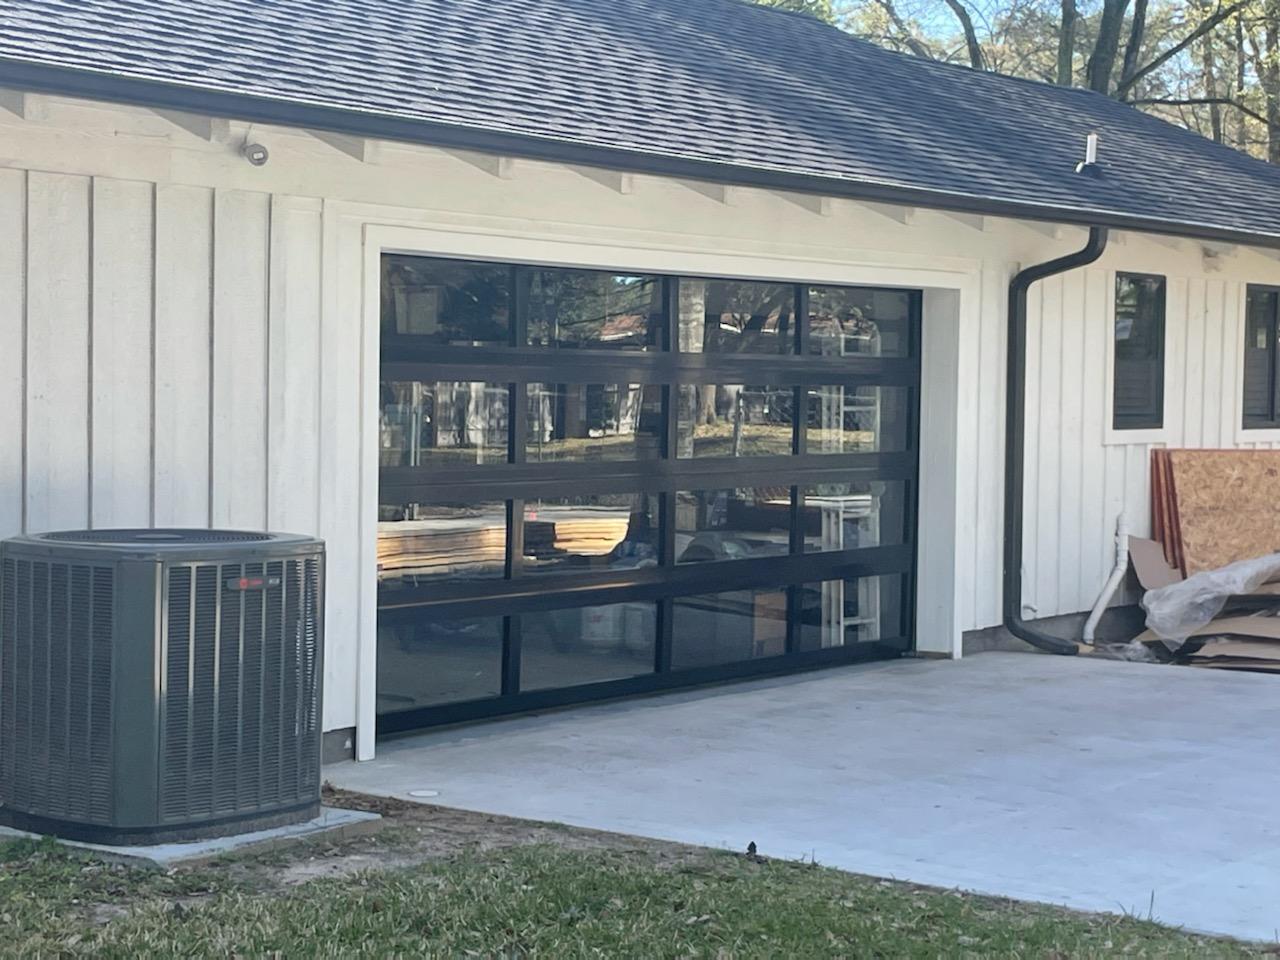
point(741, 93)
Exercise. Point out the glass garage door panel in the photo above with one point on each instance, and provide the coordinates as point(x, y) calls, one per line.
point(596, 483)
point(438, 662)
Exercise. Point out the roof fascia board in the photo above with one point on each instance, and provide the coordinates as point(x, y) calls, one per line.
point(102, 86)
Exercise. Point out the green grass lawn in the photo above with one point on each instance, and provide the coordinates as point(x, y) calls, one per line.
point(541, 900)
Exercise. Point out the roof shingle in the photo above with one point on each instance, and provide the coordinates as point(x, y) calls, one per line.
point(748, 89)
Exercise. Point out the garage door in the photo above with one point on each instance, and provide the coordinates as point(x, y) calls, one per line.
point(601, 483)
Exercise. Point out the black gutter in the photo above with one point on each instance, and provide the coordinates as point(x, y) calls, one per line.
point(113, 88)
point(1015, 439)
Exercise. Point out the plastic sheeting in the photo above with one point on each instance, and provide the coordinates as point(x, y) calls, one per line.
point(1178, 610)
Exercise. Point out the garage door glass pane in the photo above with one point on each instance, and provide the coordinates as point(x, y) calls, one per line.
point(728, 627)
point(732, 524)
point(438, 424)
point(841, 612)
point(846, 419)
point(586, 308)
point(565, 648)
point(736, 316)
point(420, 543)
point(854, 321)
point(592, 533)
point(594, 421)
point(430, 663)
point(446, 301)
point(849, 516)
point(734, 420)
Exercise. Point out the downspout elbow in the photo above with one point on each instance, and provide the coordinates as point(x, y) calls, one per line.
point(1015, 438)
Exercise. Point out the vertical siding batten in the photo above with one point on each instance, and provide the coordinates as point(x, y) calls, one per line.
point(121, 345)
point(13, 357)
point(240, 402)
point(58, 287)
point(293, 431)
point(184, 308)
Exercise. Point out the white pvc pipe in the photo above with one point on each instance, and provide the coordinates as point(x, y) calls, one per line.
point(1113, 582)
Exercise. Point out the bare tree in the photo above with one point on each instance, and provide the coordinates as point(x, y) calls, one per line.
point(1067, 44)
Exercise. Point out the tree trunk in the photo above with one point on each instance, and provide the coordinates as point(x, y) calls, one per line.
point(1137, 33)
point(1271, 80)
point(1067, 44)
point(1102, 62)
point(976, 59)
point(1210, 67)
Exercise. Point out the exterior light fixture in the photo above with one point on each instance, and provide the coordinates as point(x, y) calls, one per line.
point(255, 153)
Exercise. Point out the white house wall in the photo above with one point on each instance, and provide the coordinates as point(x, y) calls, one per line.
point(186, 338)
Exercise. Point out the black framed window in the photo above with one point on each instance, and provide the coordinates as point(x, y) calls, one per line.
point(1262, 325)
point(596, 482)
point(1138, 392)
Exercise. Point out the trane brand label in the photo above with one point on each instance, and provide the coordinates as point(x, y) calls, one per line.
point(252, 583)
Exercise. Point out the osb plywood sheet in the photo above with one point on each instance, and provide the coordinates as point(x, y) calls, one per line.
point(1226, 505)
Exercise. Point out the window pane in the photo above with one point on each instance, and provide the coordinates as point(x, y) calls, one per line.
point(728, 627)
point(424, 664)
point(858, 420)
point(435, 424)
point(735, 316)
point(849, 516)
point(594, 421)
point(564, 648)
point(1261, 320)
point(732, 524)
point(616, 531)
point(587, 308)
point(734, 421)
point(1139, 352)
point(432, 542)
point(857, 321)
point(841, 612)
point(446, 301)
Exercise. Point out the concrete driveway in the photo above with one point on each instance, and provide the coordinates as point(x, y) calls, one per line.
point(1100, 785)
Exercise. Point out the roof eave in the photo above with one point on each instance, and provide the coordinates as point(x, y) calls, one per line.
point(114, 88)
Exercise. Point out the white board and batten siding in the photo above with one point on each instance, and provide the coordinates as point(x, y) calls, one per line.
point(153, 374)
point(192, 341)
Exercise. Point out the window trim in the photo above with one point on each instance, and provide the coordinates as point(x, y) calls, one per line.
point(1132, 436)
point(1259, 430)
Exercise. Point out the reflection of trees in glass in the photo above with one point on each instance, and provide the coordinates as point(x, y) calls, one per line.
point(733, 420)
point(735, 316)
point(586, 306)
point(446, 300)
point(594, 421)
point(424, 419)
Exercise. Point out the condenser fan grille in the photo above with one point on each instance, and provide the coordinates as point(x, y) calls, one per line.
point(239, 708)
point(55, 700)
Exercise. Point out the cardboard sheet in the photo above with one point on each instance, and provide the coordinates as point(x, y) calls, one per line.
point(1265, 628)
point(1149, 563)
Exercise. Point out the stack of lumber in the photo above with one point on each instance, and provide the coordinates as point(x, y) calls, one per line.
point(441, 548)
point(1210, 508)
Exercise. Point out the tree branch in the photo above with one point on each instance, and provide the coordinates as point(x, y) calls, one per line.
point(1126, 84)
point(976, 59)
point(913, 43)
point(1198, 102)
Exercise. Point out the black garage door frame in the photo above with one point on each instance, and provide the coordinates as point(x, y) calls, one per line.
point(406, 358)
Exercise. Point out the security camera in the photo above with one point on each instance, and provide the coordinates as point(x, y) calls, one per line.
point(255, 153)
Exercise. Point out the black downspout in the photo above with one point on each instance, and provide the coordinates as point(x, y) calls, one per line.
point(1015, 439)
